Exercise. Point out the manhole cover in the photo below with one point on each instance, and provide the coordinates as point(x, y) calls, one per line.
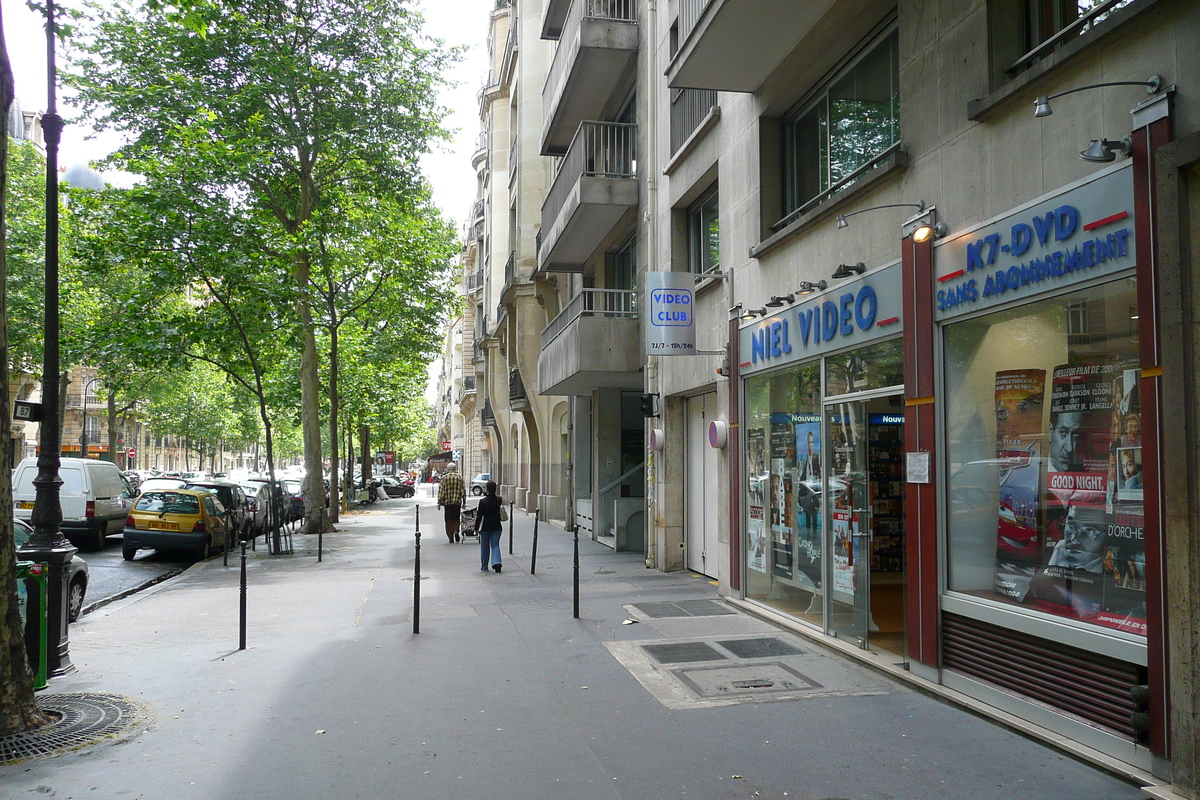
point(84, 720)
point(683, 608)
point(682, 652)
point(750, 679)
point(768, 647)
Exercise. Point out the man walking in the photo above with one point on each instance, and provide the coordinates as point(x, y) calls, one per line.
point(452, 491)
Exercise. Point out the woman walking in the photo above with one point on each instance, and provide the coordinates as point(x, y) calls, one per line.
point(488, 518)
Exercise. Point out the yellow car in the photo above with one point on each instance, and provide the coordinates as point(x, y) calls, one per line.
point(175, 519)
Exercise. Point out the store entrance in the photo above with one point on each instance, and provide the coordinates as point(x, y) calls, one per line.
point(864, 506)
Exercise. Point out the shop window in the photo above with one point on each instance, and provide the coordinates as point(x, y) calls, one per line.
point(784, 545)
point(877, 366)
point(704, 233)
point(847, 126)
point(1044, 458)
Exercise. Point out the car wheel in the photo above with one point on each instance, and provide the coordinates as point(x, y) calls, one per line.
point(128, 552)
point(101, 535)
point(476, 491)
point(205, 550)
point(75, 599)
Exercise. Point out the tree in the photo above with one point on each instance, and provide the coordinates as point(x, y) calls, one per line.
point(282, 102)
point(18, 707)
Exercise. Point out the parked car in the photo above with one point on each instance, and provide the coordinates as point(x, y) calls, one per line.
point(233, 498)
point(294, 490)
point(256, 506)
point(94, 495)
point(161, 484)
point(77, 572)
point(479, 483)
point(396, 487)
point(176, 519)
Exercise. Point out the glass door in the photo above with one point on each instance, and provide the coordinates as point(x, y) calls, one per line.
point(848, 511)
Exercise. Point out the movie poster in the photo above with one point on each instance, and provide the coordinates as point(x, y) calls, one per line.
point(1093, 549)
point(756, 526)
point(1019, 397)
point(807, 489)
point(844, 543)
point(783, 514)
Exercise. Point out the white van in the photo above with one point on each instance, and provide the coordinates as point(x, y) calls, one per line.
point(95, 498)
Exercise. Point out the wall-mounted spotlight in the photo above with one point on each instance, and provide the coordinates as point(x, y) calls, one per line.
point(808, 287)
point(848, 270)
point(1105, 150)
point(1042, 104)
point(751, 313)
point(778, 300)
point(841, 218)
point(924, 225)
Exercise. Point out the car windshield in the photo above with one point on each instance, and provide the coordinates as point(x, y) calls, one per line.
point(222, 492)
point(168, 503)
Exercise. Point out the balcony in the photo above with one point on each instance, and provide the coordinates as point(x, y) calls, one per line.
point(518, 399)
point(593, 68)
point(468, 388)
point(689, 109)
point(487, 416)
point(735, 45)
point(510, 270)
point(595, 185)
point(592, 344)
point(481, 150)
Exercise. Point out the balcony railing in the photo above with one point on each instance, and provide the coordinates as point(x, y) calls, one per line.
point(468, 384)
point(518, 398)
point(612, 303)
point(599, 149)
point(510, 269)
point(477, 210)
point(486, 415)
point(612, 10)
point(689, 15)
point(481, 149)
point(689, 107)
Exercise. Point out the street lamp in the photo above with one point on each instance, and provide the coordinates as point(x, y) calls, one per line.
point(83, 437)
point(46, 543)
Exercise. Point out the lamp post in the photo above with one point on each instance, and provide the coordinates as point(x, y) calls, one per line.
point(83, 437)
point(47, 543)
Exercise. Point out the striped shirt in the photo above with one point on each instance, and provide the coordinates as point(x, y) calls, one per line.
point(452, 491)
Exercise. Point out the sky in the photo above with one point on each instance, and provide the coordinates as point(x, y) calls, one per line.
point(457, 22)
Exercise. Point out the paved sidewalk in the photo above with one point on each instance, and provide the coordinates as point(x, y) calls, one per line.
point(503, 694)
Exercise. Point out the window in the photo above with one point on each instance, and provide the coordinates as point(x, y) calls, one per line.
point(1061, 19)
point(1045, 459)
point(853, 120)
point(623, 266)
point(704, 233)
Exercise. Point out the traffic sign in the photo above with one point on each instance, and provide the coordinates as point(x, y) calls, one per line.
point(446, 446)
point(131, 452)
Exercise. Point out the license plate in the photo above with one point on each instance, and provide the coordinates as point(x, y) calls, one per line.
point(163, 526)
point(24, 504)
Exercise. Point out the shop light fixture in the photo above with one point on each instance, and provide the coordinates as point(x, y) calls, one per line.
point(847, 270)
point(778, 300)
point(1103, 151)
point(751, 313)
point(841, 218)
point(1042, 104)
point(808, 287)
point(924, 225)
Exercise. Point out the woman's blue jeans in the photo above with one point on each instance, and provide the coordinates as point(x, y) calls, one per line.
point(489, 546)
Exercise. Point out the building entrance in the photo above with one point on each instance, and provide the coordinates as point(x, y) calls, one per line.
point(863, 502)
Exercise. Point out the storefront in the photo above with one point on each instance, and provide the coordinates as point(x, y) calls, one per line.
point(1041, 420)
point(823, 427)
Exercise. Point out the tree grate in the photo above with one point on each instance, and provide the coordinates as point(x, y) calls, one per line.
point(83, 720)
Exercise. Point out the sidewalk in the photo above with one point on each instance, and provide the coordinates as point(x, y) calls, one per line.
point(503, 694)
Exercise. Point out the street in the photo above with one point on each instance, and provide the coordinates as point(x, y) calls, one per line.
point(110, 575)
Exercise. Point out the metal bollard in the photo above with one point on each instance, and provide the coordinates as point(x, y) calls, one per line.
point(225, 550)
point(417, 579)
point(510, 526)
point(242, 603)
point(576, 527)
point(533, 556)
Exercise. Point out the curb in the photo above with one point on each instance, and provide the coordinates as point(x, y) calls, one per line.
point(121, 595)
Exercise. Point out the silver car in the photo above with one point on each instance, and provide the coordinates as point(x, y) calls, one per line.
point(77, 572)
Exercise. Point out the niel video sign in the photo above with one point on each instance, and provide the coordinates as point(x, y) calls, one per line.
point(851, 314)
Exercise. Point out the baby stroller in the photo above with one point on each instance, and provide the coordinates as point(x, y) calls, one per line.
point(466, 524)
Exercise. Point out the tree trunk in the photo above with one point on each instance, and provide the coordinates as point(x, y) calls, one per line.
point(18, 707)
point(364, 448)
point(333, 418)
point(315, 519)
point(112, 427)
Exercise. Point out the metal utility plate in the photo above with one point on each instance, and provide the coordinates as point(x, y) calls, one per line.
point(684, 608)
point(745, 679)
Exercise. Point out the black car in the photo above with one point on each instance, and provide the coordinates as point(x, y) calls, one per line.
point(235, 501)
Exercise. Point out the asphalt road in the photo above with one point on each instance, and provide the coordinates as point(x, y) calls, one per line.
point(111, 576)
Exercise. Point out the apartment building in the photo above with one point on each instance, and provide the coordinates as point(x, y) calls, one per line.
point(940, 295)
